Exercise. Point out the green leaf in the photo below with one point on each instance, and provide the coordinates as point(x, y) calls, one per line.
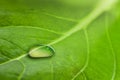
point(84, 35)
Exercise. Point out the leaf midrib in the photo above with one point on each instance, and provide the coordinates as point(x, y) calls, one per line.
point(87, 20)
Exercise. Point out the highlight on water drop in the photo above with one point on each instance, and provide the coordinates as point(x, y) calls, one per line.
point(41, 51)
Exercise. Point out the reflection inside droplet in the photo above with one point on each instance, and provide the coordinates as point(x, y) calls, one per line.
point(41, 51)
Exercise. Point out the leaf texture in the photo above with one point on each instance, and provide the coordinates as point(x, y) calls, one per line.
point(85, 36)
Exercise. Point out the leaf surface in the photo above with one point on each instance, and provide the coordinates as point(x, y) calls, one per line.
point(85, 37)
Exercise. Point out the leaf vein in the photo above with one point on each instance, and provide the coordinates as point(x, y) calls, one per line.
point(21, 74)
point(33, 27)
point(87, 58)
point(59, 17)
point(112, 49)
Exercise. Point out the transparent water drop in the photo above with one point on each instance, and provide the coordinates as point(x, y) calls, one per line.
point(41, 51)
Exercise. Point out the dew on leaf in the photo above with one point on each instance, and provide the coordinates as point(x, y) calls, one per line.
point(41, 51)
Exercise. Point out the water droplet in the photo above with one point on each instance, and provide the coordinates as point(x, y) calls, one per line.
point(41, 51)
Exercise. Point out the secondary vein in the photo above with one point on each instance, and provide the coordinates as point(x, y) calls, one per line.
point(87, 58)
point(21, 74)
point(59, 17)
point(33, 27)
point(112, 49)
